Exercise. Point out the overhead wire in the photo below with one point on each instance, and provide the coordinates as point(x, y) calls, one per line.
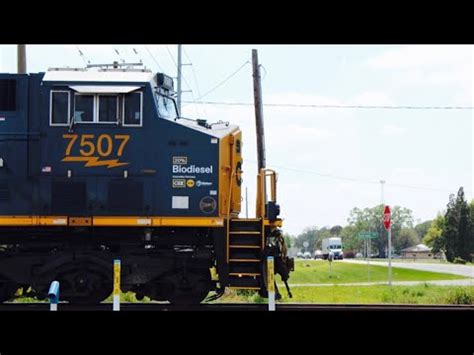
point(196, 81)
point(383, 107)
point(359, 180)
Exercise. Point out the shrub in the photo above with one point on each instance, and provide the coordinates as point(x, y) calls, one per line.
point(461, 296)
point(458, 260)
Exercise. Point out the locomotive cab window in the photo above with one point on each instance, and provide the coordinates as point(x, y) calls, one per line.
point(132, 109)
point(166, 107)
point(108, 108)
point(83, 108)
point(7, 95)
point(59, 108)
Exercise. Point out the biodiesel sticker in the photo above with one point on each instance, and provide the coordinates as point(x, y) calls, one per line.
point(208, 204)
point(180, 160)
point(192, 169)
point(190, 183)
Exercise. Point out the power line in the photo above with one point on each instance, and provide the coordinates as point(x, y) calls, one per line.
point(220, 84)
point(383, 107)
point(196, 81)
point(153, 57)
point(359, 180)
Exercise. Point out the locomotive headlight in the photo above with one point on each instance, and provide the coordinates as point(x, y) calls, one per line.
point(1, 162)
point(165, 81)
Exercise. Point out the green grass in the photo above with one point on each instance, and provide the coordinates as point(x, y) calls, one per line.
point(422, 294)
point(312, 271)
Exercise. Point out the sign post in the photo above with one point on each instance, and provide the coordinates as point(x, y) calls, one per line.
point(271, 283)
point(367, 236)
point(387, 223)
point(116, 293)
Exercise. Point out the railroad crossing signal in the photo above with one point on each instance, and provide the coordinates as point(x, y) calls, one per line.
point(387, 217)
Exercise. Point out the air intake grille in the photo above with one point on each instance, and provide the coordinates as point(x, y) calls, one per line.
point(68, 197)
point(125, 196)
point(4, 192)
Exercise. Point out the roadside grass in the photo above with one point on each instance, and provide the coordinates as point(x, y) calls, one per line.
point(409, 260)
point(414, 261)
point(421, 294)
point(128, 297)
point(313, 271)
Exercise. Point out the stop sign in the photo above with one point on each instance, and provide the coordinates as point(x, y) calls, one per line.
point(387, 219)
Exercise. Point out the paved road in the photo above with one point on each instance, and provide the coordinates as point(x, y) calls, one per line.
point(463, 270)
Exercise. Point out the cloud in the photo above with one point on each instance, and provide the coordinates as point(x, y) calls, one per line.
point(445, 70)
point(392, 130)
point(409, 57)
point(376, 98)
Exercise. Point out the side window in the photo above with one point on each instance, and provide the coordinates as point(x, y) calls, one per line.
point(108, 108)
point(59, 108)
point(132, 109)
point(7, 95)
point(83, 108)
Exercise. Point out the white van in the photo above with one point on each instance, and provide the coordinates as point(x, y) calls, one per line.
point(332, 245)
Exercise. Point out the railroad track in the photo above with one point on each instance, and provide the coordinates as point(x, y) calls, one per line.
point(235, 307)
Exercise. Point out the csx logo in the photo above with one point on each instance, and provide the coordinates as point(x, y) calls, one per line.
point(92, 151)
point(180, 160)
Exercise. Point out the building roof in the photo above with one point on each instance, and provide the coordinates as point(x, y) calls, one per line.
point(417, 248)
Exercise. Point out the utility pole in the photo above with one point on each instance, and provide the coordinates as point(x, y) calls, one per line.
point(179, 79)
point(21, 58)
point(257, 93)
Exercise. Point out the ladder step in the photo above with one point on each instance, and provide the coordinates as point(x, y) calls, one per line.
point(244, 288)
point(244, 260)
point(245, 246)
point(240, 274)
point(246, 232)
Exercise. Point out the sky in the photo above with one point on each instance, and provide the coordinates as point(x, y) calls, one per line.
point(329, 160)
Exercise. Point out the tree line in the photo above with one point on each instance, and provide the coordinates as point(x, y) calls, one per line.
point(451, 232)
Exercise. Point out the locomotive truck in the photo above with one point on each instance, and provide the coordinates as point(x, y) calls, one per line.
point(96, 164)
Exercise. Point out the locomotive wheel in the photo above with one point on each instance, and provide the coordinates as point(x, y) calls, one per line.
point(191, 289)
point(7, 290)
point(84, 284)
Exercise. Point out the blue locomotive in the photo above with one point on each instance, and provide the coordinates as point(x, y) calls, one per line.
point(96, 164)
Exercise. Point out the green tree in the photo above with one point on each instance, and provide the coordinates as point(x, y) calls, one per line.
point(422, 228)
point(407, 237)
point(288, 240)
point(370, 219)
point(312, 235)
point(308, 235)
point(458, 228)
point(350, 241)
point(434, 237)
point(336, 230)
point(471, 237)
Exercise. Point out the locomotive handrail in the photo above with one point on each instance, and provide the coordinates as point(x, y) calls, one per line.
point(228, 213)
point(230, 193)
point(262, 189)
